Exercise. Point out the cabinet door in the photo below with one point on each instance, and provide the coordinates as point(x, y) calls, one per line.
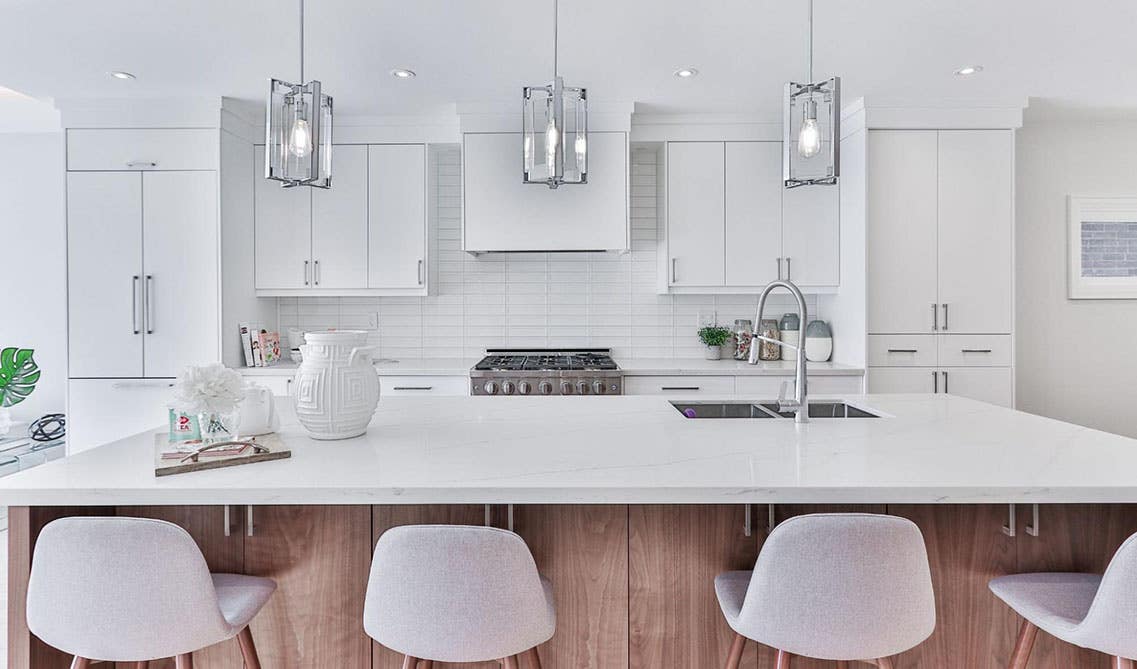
point(901, 235)
point(753, 212)
point(180, 258)
point(903, 380)
point(282, 237)
point(696, 213)
point(104, 274)
point(675, 552)
point(320, 558)
point(104, 410)
point(986, 384)
point(811, 235)
point(976, 230)
point(339, 223)
point(396, 216)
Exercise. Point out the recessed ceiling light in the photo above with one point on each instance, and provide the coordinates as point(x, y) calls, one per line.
point(118, 74)
point(968, 70)
point(686, 72)
point(400, 73)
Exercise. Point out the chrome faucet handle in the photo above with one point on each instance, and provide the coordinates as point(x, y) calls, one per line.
point(783, 403)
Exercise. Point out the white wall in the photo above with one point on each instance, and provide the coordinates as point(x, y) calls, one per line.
point(1077, 359)
point(33, 302)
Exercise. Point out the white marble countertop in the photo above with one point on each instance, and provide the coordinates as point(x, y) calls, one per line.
point(629, 449)
point(630, 367)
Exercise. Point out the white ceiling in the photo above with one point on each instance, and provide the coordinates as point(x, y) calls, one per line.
point(482, 51)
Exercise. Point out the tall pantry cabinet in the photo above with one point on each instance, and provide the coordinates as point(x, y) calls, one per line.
point(940, 271)
point(142, 274)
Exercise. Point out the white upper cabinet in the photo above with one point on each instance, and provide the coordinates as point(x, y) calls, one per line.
point(696, 206)
point(901, 237)
point(115, 150)
point(104, 274)
point(753, 212)
point(396, 216)
point(940, 231)
point(366, 235)
point(976, 230)
point(282, 231)
point(500, 213)
point(730, 226)
point(339, 223)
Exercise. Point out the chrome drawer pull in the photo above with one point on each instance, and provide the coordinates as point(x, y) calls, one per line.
point(974, 350)
point(679, 387)
point(413, 388)
point(141, 163)
point(902, 350)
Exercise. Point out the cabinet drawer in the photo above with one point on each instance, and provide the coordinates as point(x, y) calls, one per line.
point(679, 385)
point(975, 350)
point(422, 386)
point(142, 149)
point(991, 384)
point(886, 380)
point(902, 350)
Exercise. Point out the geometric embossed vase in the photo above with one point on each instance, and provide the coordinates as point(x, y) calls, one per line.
point(337, 388)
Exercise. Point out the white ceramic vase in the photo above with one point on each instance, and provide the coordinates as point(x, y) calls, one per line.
point(336, 387)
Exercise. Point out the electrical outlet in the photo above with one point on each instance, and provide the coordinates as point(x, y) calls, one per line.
point(373, 320)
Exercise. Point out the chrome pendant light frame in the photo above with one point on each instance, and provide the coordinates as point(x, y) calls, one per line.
point(298, 112)
point(562, 140)
point(817, 103)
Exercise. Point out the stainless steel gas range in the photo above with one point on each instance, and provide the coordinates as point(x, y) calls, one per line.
point(533, 371)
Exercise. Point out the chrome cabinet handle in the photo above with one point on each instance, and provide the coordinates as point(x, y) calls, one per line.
point(746, 523)
point(228, 526)
point(413, 388)
point(673, 274)
point(249, 520)
point(902, 350)
point(1009, 528)
point(945, 317)
point(945, 382)
point(141, 163)
point(935, 382)
point(935, 318)
point(679, 387)
point(779, 269)
point(789, 269)
point(1032, 529)
point(128, 385)
point(305, 272)
point(134, 304)
point(316, 272)
point(148, 303)
point(420, 272)
point(974, 350)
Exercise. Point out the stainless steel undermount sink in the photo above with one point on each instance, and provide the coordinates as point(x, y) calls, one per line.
point(824, 409)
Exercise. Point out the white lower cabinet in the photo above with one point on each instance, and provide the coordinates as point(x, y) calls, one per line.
point(986, 384)
point(885, 380)
point(686, 386)
point(104, 410)
point(423, 386)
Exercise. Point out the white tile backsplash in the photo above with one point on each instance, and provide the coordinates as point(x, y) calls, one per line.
point(532, 299)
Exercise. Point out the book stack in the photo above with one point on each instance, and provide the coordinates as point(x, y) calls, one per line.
point(261, 347)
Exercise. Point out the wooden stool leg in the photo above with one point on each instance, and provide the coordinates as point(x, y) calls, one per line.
point(737, 645)
point(80, 663)
point(184, 661)
point(248, 649)
point(511, 662)
point(884, 663)
point(533, 659)
point(782, 661)
point(1122, 663)
point(410, 662)
point(1023, 645)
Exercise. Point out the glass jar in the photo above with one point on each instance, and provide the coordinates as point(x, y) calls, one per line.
point(743, 333)
point(769, 350)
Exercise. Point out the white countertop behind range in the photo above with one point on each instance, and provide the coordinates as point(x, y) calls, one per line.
point(630, 449)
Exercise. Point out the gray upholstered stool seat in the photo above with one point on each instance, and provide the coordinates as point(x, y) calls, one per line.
point(135, 590)
point(838, 587)
point(1087, 610)
point(453, 593)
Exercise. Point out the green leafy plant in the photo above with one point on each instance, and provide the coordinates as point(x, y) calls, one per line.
point(18, 375)
point(713, 335)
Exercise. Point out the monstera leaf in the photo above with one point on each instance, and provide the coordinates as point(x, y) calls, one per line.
point(18, 375)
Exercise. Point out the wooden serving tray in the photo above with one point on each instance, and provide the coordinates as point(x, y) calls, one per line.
point(205, 461)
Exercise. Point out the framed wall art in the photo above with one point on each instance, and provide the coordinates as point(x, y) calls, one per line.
point(1102, 248)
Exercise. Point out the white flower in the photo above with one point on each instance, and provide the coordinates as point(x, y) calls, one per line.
point(212, 388)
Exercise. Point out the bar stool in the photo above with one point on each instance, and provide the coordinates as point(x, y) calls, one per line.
point(844, 587)
point(135, 590)
point(452, 593)
point(1087, 610)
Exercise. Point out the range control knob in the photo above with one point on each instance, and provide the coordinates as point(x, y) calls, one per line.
point(582, 387)
point(566, 388)
point(524, 388)
point(490, 388)
point(598, 387)
point(507, 387)
point(546, 388)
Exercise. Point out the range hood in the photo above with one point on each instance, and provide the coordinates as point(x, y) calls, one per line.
point(500, 214)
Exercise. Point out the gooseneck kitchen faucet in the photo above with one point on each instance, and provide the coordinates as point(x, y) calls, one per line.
point(798, 404)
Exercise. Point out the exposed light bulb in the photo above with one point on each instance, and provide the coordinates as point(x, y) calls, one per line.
point(552, 139)
point(809, 137)
point(580, 146)
point(528, 153)
point(300, 139)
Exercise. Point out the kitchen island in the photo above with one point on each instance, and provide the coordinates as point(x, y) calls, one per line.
point(629, 507)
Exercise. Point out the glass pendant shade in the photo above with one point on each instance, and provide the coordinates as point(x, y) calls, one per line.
point(554, 140)
point(298, 139)
point(811, 126)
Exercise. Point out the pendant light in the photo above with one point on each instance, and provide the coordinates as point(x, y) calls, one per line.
point(811, 127)
point(554, 126)
point(298, 130)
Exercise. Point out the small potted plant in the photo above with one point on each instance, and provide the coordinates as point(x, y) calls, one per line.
point(713, 337)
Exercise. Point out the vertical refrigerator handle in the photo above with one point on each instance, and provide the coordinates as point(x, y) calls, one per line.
point(134, 304)
point(148, 304)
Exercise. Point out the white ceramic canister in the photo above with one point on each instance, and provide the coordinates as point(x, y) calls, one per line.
point(336, 387)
